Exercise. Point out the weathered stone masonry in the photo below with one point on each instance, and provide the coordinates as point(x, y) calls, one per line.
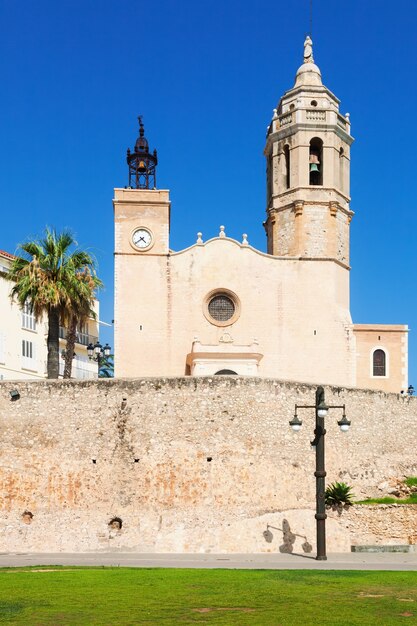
point(191, 464)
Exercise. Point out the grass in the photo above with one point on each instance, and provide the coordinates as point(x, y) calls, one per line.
point(411, 481)
point(412, 499)
point(103, 596)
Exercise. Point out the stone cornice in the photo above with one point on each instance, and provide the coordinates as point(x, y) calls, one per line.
point(294, 91)
point(296, 127)
point(333, 205)
point(250, 249)
point(311, 189)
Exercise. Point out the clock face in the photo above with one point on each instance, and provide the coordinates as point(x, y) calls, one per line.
point(141, 238)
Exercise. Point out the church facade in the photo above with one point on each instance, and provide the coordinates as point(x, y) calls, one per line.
point(223, 307)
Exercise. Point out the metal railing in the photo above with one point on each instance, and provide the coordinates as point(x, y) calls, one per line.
point(80, 370)
point(82, 337)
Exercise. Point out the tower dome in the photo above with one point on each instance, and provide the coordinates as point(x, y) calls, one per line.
point(141, 144)
point(308, 73)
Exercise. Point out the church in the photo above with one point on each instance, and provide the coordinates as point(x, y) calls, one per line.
point(223, 307)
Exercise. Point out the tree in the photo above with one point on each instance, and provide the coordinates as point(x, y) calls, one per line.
point(49, 276)
point(80, 310)
point(106, 369)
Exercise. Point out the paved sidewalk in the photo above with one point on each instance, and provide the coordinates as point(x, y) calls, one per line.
point(350, 561)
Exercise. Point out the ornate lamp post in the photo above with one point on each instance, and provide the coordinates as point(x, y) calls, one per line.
point(321, 411)
point(98, 353)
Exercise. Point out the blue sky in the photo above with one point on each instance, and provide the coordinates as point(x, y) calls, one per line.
point(206, 76)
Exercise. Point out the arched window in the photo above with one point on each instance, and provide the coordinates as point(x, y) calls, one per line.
point(287, 166)
point(379, 366)
point(226, 373)
point(315, 162)
point(341, 169)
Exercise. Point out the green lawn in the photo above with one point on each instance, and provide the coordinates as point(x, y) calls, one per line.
point(67, 595)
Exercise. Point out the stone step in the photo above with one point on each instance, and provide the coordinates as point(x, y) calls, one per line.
point(388, 548)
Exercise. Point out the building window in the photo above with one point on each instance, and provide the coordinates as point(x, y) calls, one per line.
point(379, 363)
point(28, 319)
point(341, 169)
point(316, 162)
point(82, 334)
point(287, 167)
point(221, 307)
point(28, 355)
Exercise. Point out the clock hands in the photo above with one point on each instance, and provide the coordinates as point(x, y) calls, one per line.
point(141, 238)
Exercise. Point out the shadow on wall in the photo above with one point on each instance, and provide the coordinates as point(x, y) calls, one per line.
point(288, 538)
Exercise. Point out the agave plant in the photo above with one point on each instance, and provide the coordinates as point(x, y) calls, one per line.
point(339, 494)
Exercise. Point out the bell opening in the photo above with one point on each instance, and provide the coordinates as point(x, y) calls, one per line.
point(316, 162)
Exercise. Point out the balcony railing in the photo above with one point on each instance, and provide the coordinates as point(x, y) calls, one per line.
point(82, 338)
point(285, 119)
point(341, 122)
point(314, 115)
point(80, 370)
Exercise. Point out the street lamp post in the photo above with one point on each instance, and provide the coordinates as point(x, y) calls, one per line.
point(98, 353)
point(321, 410)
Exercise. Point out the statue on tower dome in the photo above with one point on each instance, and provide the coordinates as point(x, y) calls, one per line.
point(308, 50)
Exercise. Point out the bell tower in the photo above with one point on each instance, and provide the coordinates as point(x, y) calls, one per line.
point(141, 239)
point(308, 160)
point(142, 164)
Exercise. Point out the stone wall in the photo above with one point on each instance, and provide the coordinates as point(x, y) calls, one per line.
point(191, 464)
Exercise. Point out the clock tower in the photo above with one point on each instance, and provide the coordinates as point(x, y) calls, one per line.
point(141, 215)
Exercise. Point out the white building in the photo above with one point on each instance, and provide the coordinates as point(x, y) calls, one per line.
point(23, 349)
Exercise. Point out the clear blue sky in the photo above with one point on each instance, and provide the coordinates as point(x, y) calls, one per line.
point(206, 75)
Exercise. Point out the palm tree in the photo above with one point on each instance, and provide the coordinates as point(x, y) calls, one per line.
point(81, 309)
point(47, 274)
point(107, 367)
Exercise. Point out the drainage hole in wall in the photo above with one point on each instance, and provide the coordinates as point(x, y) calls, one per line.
point(94, 461)
point(27, 517)
point(116, 523)
point(209, 458)
point(137, 460)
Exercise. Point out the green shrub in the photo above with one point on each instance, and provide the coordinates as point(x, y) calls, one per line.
point(411, 481)
point(338, 494)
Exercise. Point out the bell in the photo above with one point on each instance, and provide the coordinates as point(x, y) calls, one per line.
point(314, 167)
point(142, 166)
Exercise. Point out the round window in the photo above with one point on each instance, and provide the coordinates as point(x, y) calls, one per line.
point(221, 307)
